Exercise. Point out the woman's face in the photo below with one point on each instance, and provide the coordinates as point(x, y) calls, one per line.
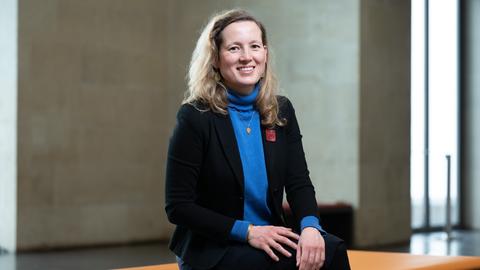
point(242, 56)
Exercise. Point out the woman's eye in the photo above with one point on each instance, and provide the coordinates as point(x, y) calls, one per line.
point(233, 49)
point(256, 46)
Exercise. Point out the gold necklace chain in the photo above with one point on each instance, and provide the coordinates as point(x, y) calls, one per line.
point(249, 122)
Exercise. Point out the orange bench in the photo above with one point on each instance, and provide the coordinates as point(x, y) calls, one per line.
point(170, 266)
point(369, 260)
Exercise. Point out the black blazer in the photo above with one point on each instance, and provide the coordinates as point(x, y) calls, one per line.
point(204, 180)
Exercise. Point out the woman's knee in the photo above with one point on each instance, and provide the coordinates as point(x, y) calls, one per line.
point(244, 256)
point(335, 253)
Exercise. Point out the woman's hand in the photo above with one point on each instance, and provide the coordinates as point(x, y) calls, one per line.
point(268, 237)
point(310, 250)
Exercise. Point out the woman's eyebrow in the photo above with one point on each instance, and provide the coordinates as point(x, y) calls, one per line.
point(240, 43)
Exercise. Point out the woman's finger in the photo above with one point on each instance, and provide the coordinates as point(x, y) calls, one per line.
point(299, 254)
point(270, 252)
point(322, 257)
point(286, 241)
point(289, 234)
point(319, 260)
point(307, 261)
point(312, 259)
point(304, 259)
point(280, 248)
point(293, 235)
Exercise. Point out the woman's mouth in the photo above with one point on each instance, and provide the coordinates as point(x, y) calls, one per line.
point(246, 69)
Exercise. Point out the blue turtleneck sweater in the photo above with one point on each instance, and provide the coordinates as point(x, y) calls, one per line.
point(243, 115)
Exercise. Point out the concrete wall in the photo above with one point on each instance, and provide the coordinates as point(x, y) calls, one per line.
point(383, 215)
point(471, 112)
point(8, 124)
point(93, 108)
point(100, 83)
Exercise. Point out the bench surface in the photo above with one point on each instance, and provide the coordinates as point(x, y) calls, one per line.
point(372, 260)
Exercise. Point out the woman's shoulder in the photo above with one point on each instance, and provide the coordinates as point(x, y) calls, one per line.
point(194, 109)
point(194, 113)
point(281, 98)
point(284, 105)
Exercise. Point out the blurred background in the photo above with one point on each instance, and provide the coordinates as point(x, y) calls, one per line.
point(387, 94)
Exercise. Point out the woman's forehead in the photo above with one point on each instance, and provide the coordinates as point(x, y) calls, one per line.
point(242, 31)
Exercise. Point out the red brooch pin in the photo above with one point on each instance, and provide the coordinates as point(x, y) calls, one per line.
point(270, 135)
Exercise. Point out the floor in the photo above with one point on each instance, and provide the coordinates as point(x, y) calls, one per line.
point(92, 258)
point(465, 243)
point(461, 243)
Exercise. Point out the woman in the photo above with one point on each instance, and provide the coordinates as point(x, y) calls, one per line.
point(235, 149)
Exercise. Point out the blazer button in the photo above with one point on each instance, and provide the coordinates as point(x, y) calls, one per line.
point(241, 198)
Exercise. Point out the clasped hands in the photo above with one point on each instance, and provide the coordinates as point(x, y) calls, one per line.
point(310, 248)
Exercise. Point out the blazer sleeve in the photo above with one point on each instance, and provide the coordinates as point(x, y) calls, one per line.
point(184, 163)
point(298, 187)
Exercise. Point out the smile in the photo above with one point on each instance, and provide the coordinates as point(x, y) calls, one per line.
point(247, 69)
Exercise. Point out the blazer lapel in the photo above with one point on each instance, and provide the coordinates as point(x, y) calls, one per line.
point(226, 135)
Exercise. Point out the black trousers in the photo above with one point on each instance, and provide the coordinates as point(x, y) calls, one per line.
point(243, 256)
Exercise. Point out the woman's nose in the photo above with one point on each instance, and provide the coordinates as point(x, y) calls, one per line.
point(245, 56)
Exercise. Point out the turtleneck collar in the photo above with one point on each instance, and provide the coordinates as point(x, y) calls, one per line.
point(243, 103)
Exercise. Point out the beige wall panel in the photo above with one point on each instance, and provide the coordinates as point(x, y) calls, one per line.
point(92, 140)
point(383, 215)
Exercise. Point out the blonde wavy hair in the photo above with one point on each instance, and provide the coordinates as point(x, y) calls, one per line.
point(205, 82)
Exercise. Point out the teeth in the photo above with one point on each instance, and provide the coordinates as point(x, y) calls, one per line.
point(245, 68)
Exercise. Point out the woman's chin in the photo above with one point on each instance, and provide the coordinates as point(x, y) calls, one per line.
point(248, 83)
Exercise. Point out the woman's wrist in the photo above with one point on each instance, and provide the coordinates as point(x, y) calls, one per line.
point(250, 226)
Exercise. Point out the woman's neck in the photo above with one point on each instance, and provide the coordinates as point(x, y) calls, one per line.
point(243, 102)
